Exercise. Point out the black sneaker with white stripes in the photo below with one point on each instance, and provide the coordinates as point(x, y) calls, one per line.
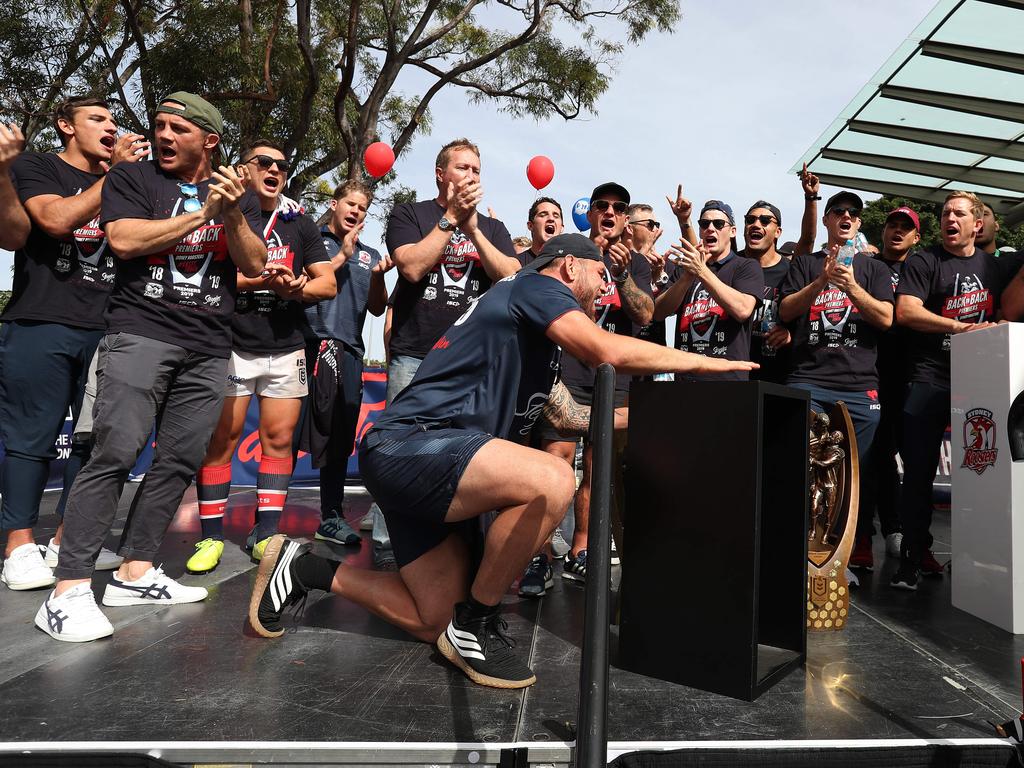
point(277, 586)
point(482, 649)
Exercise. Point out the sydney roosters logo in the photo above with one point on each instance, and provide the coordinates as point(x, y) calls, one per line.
point(979, 440)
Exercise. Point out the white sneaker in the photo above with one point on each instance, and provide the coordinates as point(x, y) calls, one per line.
point(893, 542)
point(559, 546)
point(155, 587)
point(73, 617)
point(25, 569)
point(106, 561)
point(366, 524)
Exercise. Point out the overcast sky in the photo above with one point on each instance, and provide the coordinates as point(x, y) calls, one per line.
point(725, 106)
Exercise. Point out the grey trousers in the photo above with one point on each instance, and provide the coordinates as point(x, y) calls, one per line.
point(140, 380)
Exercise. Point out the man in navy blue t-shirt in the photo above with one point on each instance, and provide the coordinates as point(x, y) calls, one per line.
point(334, 353)
point(451, 447)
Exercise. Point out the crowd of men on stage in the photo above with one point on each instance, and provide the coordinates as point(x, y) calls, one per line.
point(155, 283)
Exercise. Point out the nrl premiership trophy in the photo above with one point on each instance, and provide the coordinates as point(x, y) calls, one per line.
point(832, 526)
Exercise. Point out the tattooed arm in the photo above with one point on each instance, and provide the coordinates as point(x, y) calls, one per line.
point(567, 416)
point(638, 305)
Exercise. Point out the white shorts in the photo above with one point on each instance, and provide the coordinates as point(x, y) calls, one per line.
point(281, 375)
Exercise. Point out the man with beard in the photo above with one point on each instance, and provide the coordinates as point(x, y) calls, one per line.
point(837, 314)
point(449, 449)
point(54, 320)
point(447, 254)
point(900, 236)
point(180, 231)
point(714, 291)
point(951, 288)
point(770, 342)
point(268, 360)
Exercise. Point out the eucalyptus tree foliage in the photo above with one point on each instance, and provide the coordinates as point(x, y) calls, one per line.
point(324, 78)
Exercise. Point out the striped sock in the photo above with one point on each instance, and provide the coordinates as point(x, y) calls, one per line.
point(271, 492)
point(212, 487)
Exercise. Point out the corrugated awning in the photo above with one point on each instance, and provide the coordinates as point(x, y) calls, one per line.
point(945, 112)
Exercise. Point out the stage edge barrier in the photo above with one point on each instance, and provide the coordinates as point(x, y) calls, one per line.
point(497, 754)
point(592, 717)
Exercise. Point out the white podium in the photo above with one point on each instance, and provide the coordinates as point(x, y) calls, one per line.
point(987, 485)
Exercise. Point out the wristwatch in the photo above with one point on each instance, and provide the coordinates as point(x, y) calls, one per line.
point(621, 277)
point(444, 225)
point(812, 197)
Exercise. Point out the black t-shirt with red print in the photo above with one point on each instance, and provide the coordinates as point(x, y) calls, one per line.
point(184, 295)
point(964, 289)
point(833, 346)
point(63, 281)
point(703, 327)
point(264, 323)
point(774, 362)
point(423, 311)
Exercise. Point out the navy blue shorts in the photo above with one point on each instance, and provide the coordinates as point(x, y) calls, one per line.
point(412, 474)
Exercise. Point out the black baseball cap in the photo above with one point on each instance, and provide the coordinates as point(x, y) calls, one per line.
point(765, 204)
point(610, 186)
point(571, 244)
point(718, 205)
point(839, 197)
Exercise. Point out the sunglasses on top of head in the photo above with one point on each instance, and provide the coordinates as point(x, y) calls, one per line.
point(266, 161)
point(603, 205)
point(763, 218)
point(718, 224)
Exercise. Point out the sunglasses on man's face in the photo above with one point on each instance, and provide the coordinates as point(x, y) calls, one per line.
point(651, 224)
point(839, 211)
point(266, 161)
point(718, 224)
point(603, 205)
point(764, 219)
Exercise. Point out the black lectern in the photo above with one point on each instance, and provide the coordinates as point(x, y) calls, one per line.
point(714, 576)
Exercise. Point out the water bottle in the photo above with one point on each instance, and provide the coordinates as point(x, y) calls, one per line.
point(861, 243)
point(845, 256)
point(768, 317)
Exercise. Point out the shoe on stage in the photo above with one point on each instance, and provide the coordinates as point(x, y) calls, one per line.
point(575, 568)
point(73, 617)
point(105, 561)
point(207, 555)
point(276, 586)
point(482, 649)
point(930, 566)
point(538, 578)
point(337, 531)
point(153, 588)
point(24, 569)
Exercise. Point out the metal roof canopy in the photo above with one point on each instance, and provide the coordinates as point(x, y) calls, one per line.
point(902, 136)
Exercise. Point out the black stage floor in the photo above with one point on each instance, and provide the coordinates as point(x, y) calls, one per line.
point(909, 666)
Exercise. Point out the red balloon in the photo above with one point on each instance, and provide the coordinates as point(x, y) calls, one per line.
point(378, 159)
point(540, 171)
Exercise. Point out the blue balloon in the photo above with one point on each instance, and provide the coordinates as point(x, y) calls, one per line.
point(579, 214)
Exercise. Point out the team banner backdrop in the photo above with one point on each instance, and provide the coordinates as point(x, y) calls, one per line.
point(246, 461)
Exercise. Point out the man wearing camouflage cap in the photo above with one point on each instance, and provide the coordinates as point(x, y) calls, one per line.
point(181, 231)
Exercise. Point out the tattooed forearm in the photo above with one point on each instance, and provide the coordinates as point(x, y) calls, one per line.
point(565, 414)
point(638, 305)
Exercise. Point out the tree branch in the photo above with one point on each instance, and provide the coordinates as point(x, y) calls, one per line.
point(303, 11)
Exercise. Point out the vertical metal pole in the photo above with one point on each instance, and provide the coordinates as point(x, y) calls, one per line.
point(591, 722)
